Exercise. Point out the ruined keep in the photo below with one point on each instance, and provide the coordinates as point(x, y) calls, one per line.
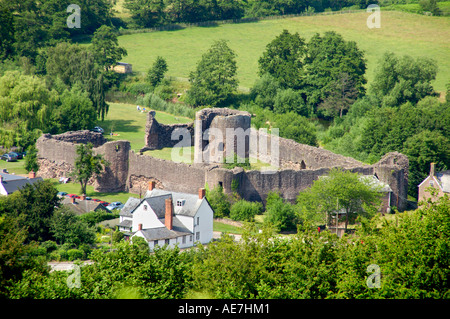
point(299, 165)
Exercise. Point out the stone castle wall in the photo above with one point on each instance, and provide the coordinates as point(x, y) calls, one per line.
point(300, 164)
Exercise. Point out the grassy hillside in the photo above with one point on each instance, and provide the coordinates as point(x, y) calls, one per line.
point(400, 32)
point(127, 123)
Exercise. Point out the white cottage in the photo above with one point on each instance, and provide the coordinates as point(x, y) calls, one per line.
point(168, 218)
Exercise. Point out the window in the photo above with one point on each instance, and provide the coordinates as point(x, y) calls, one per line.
point(180, 202)
point(184, 239)
point(190, 238)
point(432, 183)
point(166, 241)
point(155, 243)
point(145, 207)
point(197, 235)
point(198, 220)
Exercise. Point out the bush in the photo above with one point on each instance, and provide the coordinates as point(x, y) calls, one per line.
point(245, 210)
point(219, 201)
point(74, 254)
point(280, 214)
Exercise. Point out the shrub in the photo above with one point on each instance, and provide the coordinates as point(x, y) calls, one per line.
point(74, 254)
point(219, 201)
point(245, 210)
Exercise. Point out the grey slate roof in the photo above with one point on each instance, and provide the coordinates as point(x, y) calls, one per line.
point(444, 180)
point(126, 223)
point(12, 183)
point(190, 206)
point(129, 206)
point(83, 206)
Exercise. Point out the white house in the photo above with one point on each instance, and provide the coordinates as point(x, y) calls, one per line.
point(10, 183)
point(168, 218)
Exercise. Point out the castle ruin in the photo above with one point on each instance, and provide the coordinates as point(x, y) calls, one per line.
point(299, 165)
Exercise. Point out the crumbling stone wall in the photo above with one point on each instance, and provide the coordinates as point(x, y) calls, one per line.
point(158, 135)
point(300, 165)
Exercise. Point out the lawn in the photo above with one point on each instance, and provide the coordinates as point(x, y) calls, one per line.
point(14, 167)
point(126, 123)
point(400, 32)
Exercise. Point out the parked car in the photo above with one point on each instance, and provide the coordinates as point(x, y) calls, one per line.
point(9, 157)
point(61, 194)
point(115, 205)
point(104, 203)
point(73, 196)
point(19, 155)
point(98, 129)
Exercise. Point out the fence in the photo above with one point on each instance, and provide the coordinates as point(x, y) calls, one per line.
point(179, 26)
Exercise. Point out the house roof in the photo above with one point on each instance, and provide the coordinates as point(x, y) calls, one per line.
point(130, 206)
point(164, 233)
point(83, 206)
point(444, 180)
point(190, 206)
point(126, 223)
point(12, 183)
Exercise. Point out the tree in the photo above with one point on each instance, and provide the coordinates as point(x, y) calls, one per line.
point(278, 213)
point(284, 60)
point(341, 96)
point(31, 162)
point(87, 164)
point(430, 6)
point(329, 56)
point(422, 149)
point(340, 190)
point(67, 228)
point(76, 111)
point(214, 80)
point(73, 64)
point(219, 201)
point(146, 13)
point(156, 73)
point(403, 79)
point(6, 33)
point(33, 206)
point(105, 47)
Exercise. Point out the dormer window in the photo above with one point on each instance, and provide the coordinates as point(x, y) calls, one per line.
point(180, 202)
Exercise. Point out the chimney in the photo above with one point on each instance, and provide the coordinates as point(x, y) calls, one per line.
point(168, 218)
point(31, 174)
point(140, 227)
point(432, 166)
point(201, 193)
point(83, 197)
point(72, 200)
point(1, 179)
point(151, 185)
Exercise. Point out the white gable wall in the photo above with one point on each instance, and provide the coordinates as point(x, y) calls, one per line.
point(147, 218)
point(203, 223)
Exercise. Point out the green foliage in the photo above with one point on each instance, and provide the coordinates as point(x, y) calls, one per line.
point(430, 6)
point(329, 56)
point(283, 60)
point(219, 201)
point(105, 47)
point(214, 80)
point(280, 214)
point(33, 207)
point(234, 160)
point(340, 190)
point(156, 73)
point(67, 228)
point(245, 210)
point(86, 165)
point(403, 79)
point(31, 162)
point(163, 274)
point(98, 216)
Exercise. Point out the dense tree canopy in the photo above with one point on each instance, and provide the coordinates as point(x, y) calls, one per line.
point(214, 80)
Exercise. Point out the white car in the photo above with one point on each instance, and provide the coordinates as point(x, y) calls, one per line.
point(115, 205)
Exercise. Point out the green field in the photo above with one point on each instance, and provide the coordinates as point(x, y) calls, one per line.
point(400, 32)
point(129, 124)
